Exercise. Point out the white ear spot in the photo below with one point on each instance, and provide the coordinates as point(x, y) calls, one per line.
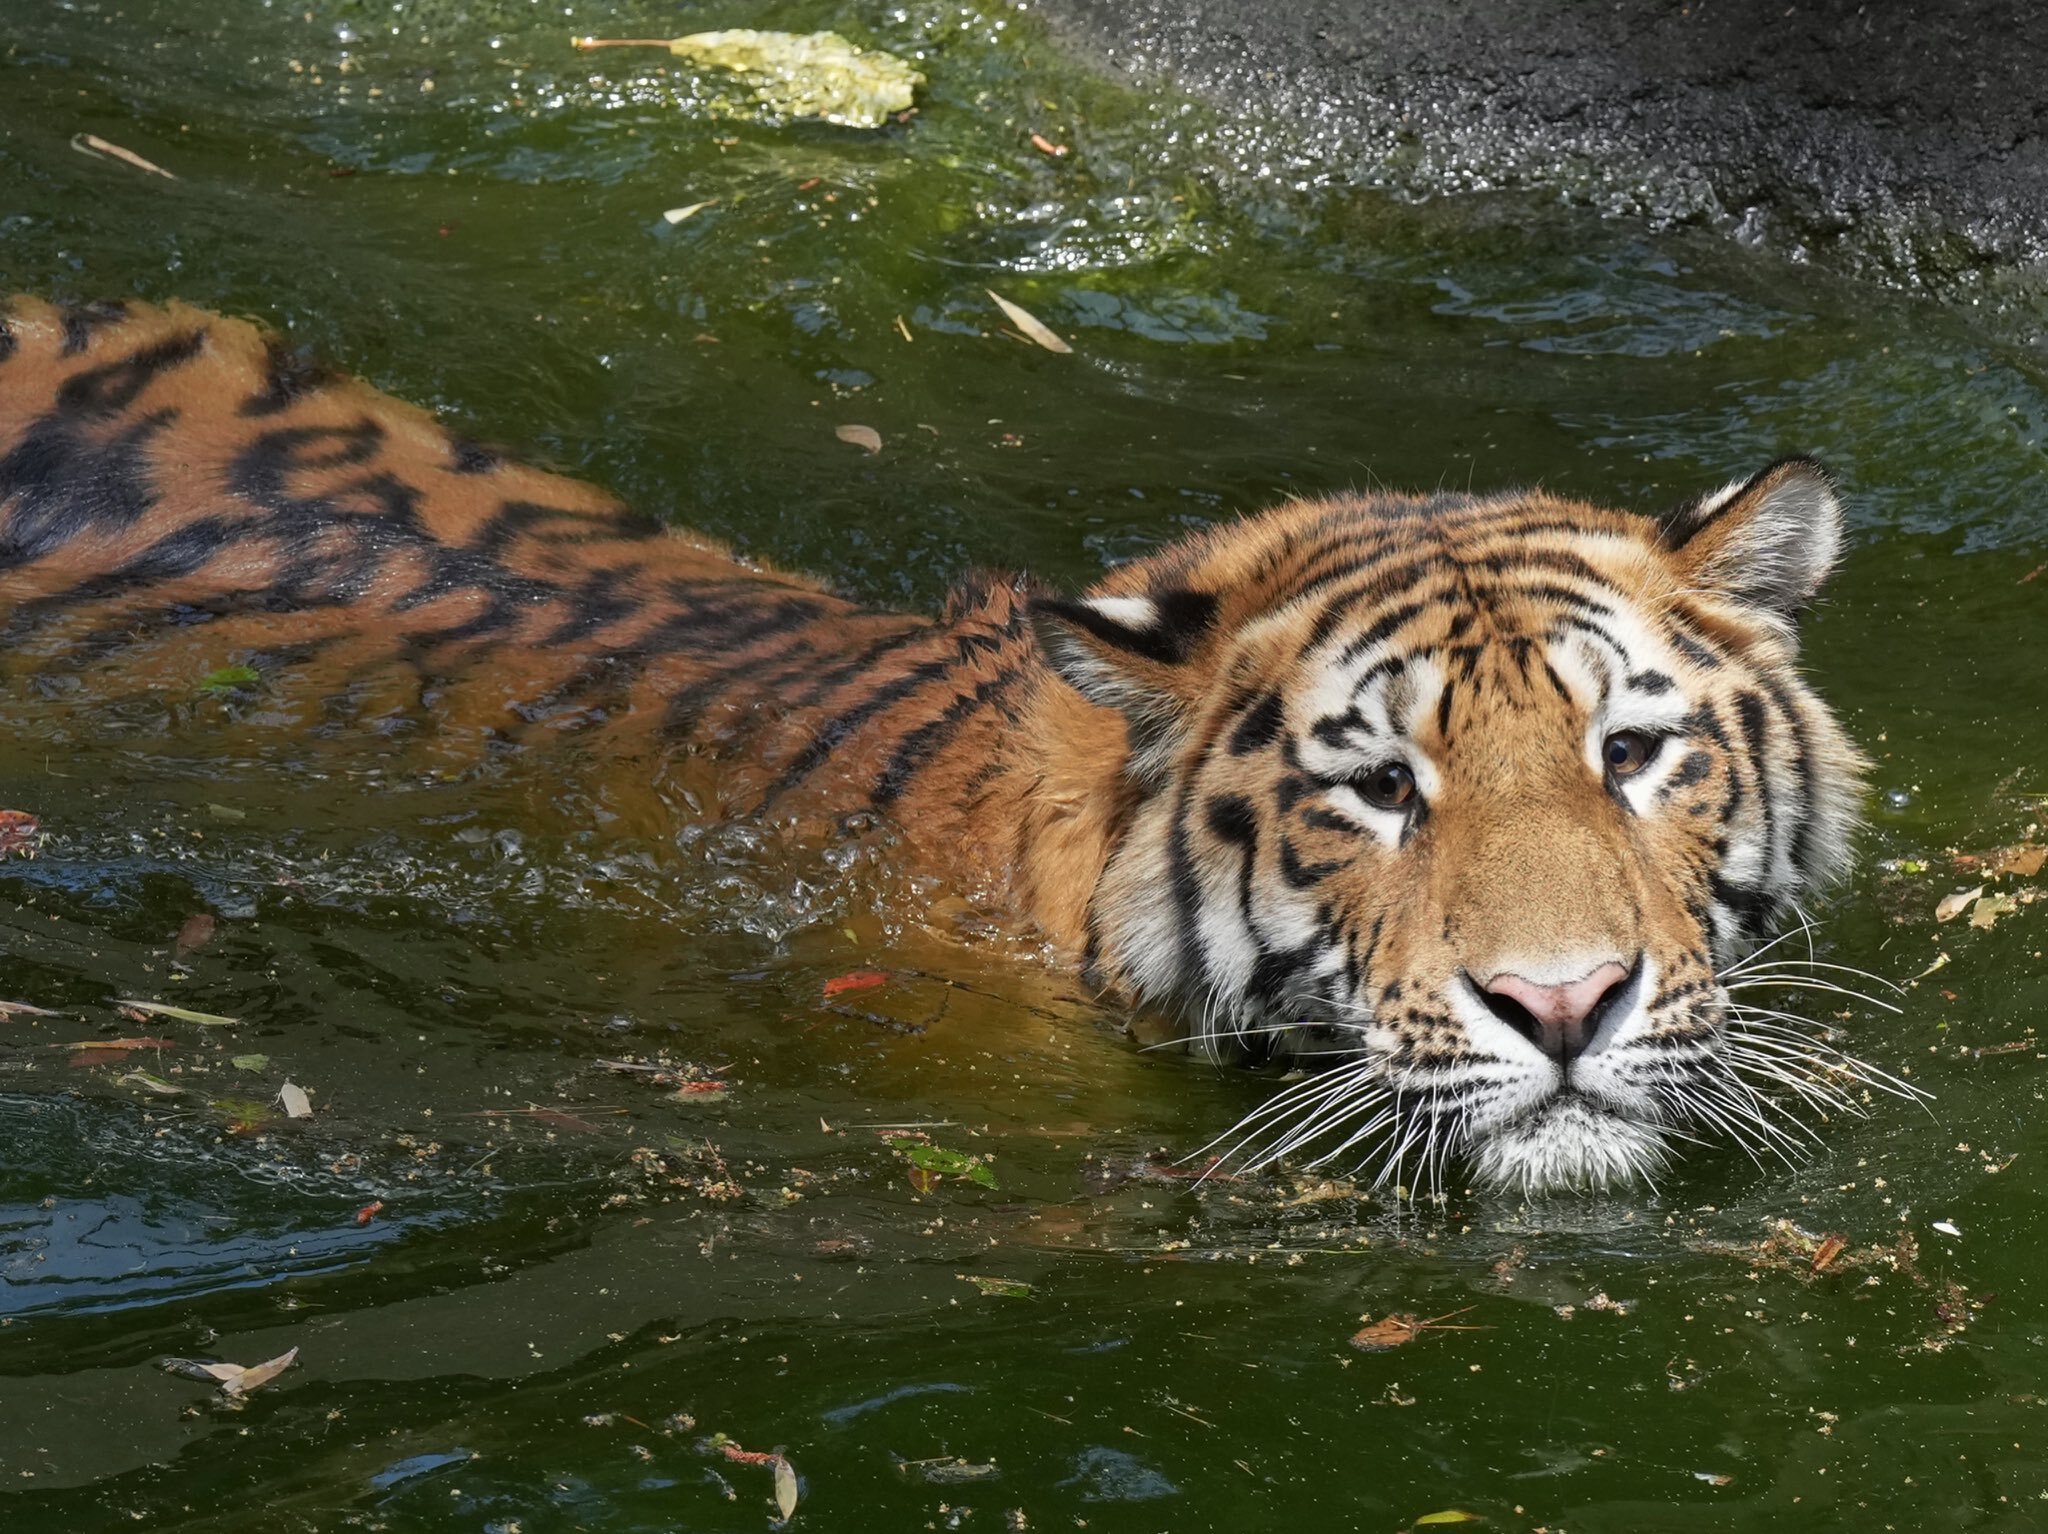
point(1126, 612)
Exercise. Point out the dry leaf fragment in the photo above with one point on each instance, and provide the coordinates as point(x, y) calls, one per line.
point(860, 436)
point(1829, 1252)
point(260, 1375)
point(1986, 911)
point(1045, 145)
point(2025, 859)
point(1393, 1331)
point(181, 1014)
point(1446, 1517)
point(93, 144)
point(677, 215)
point(194, 935)
point(1033, 328)
point(1952, 906)
point(156, 1086)
point(234, 1380)
point(785, 1488)
point(19, 832)
point(903, 330)
point(23, 1009)
point(297, 1105)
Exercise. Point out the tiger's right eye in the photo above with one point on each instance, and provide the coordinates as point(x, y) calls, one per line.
point(1387, 788)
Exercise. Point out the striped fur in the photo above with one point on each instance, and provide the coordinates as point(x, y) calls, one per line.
point(1167, 777)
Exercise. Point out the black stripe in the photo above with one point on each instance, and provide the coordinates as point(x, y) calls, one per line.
point(921, 745)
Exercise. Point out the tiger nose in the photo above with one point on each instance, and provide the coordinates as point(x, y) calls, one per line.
point(1560, 1020)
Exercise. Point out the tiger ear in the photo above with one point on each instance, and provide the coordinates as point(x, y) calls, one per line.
point(1768, 542)
point(1132, 654)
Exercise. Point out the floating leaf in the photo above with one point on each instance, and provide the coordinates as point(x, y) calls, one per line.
point(194, 935)
point(1986, 911)
point(234, 1380)
point(369, 1211)
point(297, 1105)
point(941, 1162)
point(785, 1488)
point(122, 1045)
point(2025, 859)
point(997, 1288)
point(230, 679)
point(250, 1062)
point(922, 1181)
point(23, 1009)
point(99, 148)
point(225, 812)
point(19, 831)
point(245, 1115)
point(858, 980)
point(798, 74)
point(1446, 1517)
point(860, 436)
point(1032, 327)
point(261, 1374)
point(677, 215)
point(180, 1014)
point(1829, 1252)
point(156, 1086)
point(1393, 1331)
point(1952, 906)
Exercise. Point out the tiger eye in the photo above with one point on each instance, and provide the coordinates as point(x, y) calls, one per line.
point(1627, 752)
point(1389, 787)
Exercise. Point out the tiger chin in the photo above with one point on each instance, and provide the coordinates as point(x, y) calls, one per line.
point(1488, 806)
point(1483, 805)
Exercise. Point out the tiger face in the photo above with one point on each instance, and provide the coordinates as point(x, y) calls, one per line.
point(1476, 802)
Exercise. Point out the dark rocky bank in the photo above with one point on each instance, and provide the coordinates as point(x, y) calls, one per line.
point(1905, 141)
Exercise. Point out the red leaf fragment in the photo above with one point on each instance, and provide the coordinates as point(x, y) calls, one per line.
point(856, 980)
point(369, 1211)
point(18, 832)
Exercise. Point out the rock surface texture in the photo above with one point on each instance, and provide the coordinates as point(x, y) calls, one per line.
point(1902, 140)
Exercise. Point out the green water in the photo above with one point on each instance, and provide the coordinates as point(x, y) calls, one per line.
point(504, 1345)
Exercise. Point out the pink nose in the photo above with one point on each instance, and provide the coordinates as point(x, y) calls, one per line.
point(1553, 1017)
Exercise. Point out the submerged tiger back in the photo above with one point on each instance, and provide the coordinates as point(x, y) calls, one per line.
point(178, 491)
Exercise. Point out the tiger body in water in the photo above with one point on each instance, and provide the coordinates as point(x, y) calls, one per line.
point(1474, 800)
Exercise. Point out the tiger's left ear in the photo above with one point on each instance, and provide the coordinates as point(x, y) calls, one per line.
point(1769, 542)
point(1135, 654)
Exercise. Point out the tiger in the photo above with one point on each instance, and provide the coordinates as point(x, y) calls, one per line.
point(1473, 806)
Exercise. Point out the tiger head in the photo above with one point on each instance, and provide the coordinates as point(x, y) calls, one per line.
point(1476, 801)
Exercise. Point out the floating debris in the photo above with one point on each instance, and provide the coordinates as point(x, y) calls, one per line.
point(859, 436)
point(798, 74)
point(100, 149)
point(139, 1010)
point(1033, 328)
